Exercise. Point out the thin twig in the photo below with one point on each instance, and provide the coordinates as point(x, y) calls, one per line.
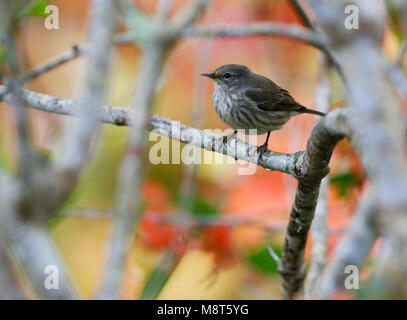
point(274, 255)
point(303, 15)
point(257, 28)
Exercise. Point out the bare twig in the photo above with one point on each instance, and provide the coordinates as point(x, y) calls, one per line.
point(143, 25)
point(274, 255)
point(257, 28)
point(303, 15)
point(54, 62)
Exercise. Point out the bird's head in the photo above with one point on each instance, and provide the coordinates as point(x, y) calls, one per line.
point(229, 75)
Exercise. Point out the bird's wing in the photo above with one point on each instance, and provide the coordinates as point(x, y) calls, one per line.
point(273, 98)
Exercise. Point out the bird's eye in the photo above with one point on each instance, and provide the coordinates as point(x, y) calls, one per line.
point(227, 75)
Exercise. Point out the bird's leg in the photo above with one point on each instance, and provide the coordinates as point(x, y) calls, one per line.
point(263, 147)
point(227, 137)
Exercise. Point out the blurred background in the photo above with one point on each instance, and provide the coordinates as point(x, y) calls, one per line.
point(226, 260)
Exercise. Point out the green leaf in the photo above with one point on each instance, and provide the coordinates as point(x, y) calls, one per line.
point(34, 9)
point(344, 182)
point(263, 262)
point(160, 276)
point(202, 207)
point(3, 54)
point(396, 22)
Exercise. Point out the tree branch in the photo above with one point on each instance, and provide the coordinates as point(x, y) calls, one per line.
point(313, 167)
point(234, 148)
point(258, 28)
point(319, 230)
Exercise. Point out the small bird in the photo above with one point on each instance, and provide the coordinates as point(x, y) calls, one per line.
point(246, 100)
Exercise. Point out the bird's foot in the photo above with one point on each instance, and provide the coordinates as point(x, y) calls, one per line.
point(261, 149)
point(227, 137)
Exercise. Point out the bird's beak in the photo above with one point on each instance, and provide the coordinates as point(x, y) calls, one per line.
point(209, 75)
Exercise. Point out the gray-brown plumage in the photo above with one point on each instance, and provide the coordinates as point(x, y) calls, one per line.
point(246, 100)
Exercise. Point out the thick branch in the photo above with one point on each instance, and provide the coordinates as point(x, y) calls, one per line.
point(313, 167)
point(319, 230)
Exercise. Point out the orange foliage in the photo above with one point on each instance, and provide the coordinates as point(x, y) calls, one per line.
point(155, 234)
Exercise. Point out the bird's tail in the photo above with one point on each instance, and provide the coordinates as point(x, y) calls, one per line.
point(306, 110)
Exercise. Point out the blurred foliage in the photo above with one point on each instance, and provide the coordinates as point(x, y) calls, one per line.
point(160, 275)
point(33, 9)
point(396, 21)
point(344, 182)
point(202, 207)
point(262, 261)
point(3, 55)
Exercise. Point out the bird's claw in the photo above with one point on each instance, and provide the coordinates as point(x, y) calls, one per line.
point(261, 149)
point(227, 137)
